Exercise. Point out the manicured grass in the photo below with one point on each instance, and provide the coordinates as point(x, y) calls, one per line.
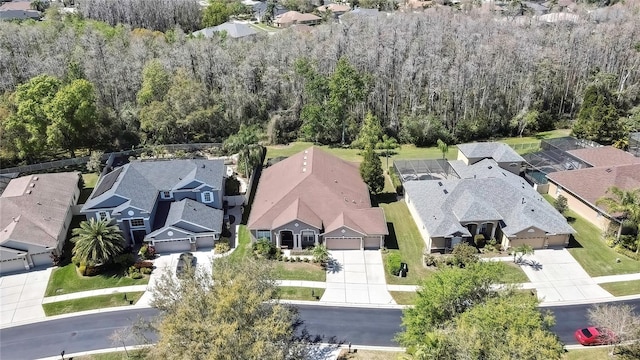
point(66, 280)
point(299, 271)
point(264, 27)
point(404, 238)
point(597, 353)
point(513, 274)
point(243, 247)
point(301, 293)
point(404, 297)
point(588, 248)
point(622, 288)
point(90, 180)
point(358, 354)
point(537, 137)
point(90, 303)
point(116, 355)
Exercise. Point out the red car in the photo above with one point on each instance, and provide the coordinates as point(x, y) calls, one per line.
point(595, 336)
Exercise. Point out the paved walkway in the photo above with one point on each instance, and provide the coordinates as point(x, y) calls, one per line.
point(356, 277)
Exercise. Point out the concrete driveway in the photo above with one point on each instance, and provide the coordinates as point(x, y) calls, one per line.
point(22, 296)
point(557, 276)
point(356, 277)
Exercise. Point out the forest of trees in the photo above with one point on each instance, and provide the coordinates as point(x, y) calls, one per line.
point(441, 74)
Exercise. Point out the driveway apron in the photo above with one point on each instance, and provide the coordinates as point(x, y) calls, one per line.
point(22, 296)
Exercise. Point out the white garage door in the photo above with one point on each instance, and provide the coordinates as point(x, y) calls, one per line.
point(43, 259)
point(372, 242)
point(536, 243)
point(9, 266)
point(172, 246)
point(343, 243)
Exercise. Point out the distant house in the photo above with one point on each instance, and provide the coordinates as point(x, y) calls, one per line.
point(537, 9)
point(296, 18)
point(583, 187)
point(313, 197)
point(503, 154)
point(260, 11)
point(175, 205)
point(360, 12)
point(487, 200)
point(335, 9)
point(35, 213)
point(18, 10)
point(234, 30)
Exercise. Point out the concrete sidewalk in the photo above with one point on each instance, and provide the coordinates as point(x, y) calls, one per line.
point(616, 278)
point(97, 292)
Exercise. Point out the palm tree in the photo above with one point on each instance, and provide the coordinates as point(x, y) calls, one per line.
point(245, 142)
point(627, 204)
point(387, 144)
point(97, 241)
point(320, 253)
point(444, 148)
point(523, 250)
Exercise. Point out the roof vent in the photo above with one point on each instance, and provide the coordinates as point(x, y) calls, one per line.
point(445, 191)
point(202, 166)
point(490, 167)
point(304, 169)
point(304, 163)
point(32, 185)
point(345, 199)
point(305, 157)
point(608, 170)
point(524, 202)
point(335, 181)
point(28, 191)
point(353, 201)
point(440, 183)
point(306, 151)
point(35, 178)
point(39, 203)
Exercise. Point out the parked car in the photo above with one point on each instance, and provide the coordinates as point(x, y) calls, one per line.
point(186, 259)
point(595, 336)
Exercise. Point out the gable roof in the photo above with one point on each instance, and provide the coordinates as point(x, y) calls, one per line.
point(294, 17)
point(33, 208)
point(334, 8)
point(443, 204)
point(234, 30)
point(590, 184)
point(497, 151)
point(140, 182)
point(196, 213)
point(313, 183)
point(604, 156)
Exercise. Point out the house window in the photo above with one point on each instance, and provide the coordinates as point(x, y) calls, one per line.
point(263, 234)
point(137, 222)
point(308, 236)
point(165, 194)
point(103, 215)
point(207, 197)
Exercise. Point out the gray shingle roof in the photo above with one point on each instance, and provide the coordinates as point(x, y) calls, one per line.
point(140, 182)
point(498, 151)
point(195, 213)
point(234, 30)
point(505, 197)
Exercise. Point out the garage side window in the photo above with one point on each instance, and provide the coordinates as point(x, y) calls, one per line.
point(103, 215)
point(263, 234)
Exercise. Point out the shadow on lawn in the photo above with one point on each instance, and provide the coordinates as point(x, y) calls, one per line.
point(391, 241)
point(573, 243)
point(385, 198)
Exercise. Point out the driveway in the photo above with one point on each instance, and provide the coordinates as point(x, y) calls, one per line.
point(356, 277)
point(22, 296)
point(557, 276)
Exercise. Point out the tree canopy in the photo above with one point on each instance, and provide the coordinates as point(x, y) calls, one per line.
point(97, 241)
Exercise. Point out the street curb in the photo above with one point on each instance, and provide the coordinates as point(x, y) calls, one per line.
point(589, 301)
point(350, 305)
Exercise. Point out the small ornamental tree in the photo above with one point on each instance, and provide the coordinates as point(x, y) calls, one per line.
point(561, 204)
point(371, 171)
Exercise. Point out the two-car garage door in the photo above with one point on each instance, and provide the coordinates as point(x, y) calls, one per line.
point(172, 246)
point(536, 243)
point(343, 243)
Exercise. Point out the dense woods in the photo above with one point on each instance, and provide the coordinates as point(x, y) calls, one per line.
point(443, 73)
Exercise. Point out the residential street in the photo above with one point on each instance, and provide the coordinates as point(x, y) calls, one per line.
point(359, 326)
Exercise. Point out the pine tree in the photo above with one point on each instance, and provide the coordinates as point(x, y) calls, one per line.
point(371, 170)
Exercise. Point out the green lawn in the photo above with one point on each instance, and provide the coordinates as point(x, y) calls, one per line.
point(90, 303)
point(301, 293)
point(513, 274)
point(404, 238)
point(404, 297)
point(622, 288)
point(66, 280)
point(299, 271)
point(90, 181)
point(598, 353)
point(243, 247)
point(264, 27)
point(116, 355)
point(588, 248)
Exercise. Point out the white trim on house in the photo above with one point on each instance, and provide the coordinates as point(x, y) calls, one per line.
point(166, 195)
point(99, 215)
point(205, 194)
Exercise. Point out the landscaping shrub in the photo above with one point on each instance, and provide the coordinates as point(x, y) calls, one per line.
point(464, 255)
point(143, 264)
point(136, 275)
point(430, 260)
point(221, 247)
point(263, 248)
point(297, 258)
point(395, 180)
point(82, 269)
point(147, 252)
point(624, 251)
point(146, 271)
point(123, 261)
point(394, 263)
point(479, 240)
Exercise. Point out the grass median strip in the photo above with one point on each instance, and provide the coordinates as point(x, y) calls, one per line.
point(404, 297)
point(622, 288)
point(300, 293)
point(90, 303)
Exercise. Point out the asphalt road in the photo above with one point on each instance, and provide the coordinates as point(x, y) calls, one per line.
point(362, 326)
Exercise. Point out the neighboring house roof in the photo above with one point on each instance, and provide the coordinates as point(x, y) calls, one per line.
point(317, 188)
point(604, 156)
point(497, 196)
point(363, 11)
point(539, 8)
point(558, 17)
point(296, 17)
point(138, 183)
point(591, 184)
point(18, 10)
point(33, 208)
point(335, 8)
point(260, 9)
point(234, 30)
point(497, 151)
point(193, 212)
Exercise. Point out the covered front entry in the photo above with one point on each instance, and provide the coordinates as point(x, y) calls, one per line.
point(286, 239)
point(138, 236)
point(345, 243)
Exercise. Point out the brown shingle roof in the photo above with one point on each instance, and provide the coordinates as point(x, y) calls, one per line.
point(604, 156)
point(314, 183)
point(592, 183)
point(294, 16)
point(35, 215)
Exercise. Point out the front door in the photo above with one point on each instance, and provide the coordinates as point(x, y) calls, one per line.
point(138, 236)
point(286, 239)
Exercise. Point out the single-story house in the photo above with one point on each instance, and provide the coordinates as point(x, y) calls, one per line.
point(175, 205)
point(503, 154)
point(18, 10)
point(35, 213)
point(583, 187)
point(335, 9)
point(293, 17)
point(487, 200)
point(234, 30)
point(314, 197)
